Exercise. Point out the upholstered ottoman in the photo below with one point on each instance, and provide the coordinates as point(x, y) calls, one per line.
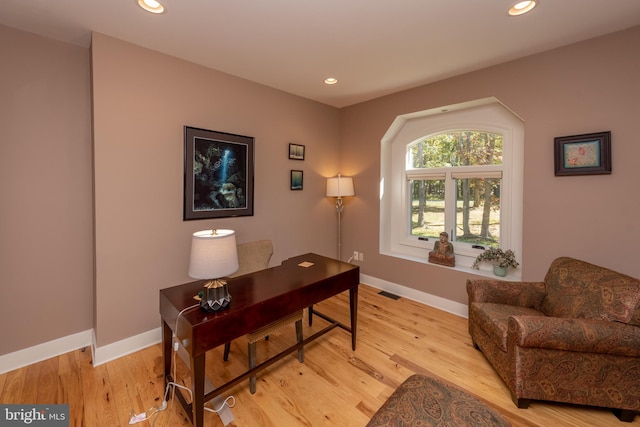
point(422, 400)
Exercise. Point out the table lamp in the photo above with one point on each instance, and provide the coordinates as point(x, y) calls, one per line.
point(339, 187)
point(213, 255)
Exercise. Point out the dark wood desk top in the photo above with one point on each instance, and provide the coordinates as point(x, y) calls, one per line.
point(257, 299)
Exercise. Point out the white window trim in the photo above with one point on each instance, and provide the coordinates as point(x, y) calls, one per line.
point(487, 114)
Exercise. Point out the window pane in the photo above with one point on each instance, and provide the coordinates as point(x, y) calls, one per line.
point(460, 148)
point(478, 211)
point(427, 207)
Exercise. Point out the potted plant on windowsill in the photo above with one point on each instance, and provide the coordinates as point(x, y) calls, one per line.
point(501, 260)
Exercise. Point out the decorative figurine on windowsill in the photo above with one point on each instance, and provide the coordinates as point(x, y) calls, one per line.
point(442, 252)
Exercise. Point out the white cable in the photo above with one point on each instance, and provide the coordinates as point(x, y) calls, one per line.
point(171, 386)
point(144, 416)
point(173, 375)
point(230, 405)
point(175, 331)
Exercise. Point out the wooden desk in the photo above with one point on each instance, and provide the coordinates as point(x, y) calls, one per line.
point(258, 299)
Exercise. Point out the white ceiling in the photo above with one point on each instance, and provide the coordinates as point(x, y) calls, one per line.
point(373, 47)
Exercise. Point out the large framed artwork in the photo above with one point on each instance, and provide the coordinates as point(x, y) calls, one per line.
point(586, 154)
point(218, 174)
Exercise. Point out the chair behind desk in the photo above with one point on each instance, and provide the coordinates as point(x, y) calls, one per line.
point(255, 256)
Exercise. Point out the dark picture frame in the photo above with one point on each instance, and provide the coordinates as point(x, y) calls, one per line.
point(296, 151)
point(588, 154)
point(297, 179)
point(218, 174)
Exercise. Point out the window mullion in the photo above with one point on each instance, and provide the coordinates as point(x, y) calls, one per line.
point(450, 205)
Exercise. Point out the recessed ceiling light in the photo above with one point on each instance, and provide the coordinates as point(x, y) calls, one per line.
point(522, 7)
point(330, 81)
point(151, 6)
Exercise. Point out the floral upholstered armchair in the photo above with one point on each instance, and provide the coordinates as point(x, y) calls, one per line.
point(573, 338)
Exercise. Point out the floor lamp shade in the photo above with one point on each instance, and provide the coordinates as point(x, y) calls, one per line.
point(213, 255)
point(340, 186)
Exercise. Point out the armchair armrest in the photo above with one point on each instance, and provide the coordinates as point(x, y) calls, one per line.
point(581, 335)
point(521, 294)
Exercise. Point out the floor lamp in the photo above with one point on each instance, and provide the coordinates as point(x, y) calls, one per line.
point(339, 187)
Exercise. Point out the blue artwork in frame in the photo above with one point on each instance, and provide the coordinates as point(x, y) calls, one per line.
point(218, 174)
point(296, 180)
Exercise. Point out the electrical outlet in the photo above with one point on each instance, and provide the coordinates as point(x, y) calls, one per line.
point(361, 257)
point(355, 255)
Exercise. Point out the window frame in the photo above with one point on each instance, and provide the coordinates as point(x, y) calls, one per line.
point(450, 201)
point(486, 115)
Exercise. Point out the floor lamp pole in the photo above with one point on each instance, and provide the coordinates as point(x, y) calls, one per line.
point(339, 208)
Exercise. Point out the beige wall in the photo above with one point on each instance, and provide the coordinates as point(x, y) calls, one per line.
point(142, 100)
point(587, 87)
point(46, 244)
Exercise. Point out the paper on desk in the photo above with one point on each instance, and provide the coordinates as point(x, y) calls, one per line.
point(305, 264)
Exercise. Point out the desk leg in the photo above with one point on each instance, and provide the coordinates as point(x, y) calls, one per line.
point(353, 305)
point(197, 405)
point(166, 350)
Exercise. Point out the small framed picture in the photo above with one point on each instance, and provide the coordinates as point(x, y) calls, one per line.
point(296, 152)
point(588, 154)
point(296, 180)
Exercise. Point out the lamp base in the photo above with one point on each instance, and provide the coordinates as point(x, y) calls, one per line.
point(215, 297)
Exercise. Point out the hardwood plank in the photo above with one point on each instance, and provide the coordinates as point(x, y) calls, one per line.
point(14, 384)
point(3, 380)
point(69, 362)
point(99, 407)
point(126, 397)
point(47, 385)
point(30, 389)
point(70, 387)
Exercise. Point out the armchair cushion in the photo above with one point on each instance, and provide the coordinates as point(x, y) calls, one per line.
point(580, 335)
point(493, 319)
point(578, 289)
point(521, 294)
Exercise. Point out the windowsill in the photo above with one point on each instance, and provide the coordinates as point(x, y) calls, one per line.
point(464, 266)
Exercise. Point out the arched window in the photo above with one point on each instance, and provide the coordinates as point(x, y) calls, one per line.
point(456, 169)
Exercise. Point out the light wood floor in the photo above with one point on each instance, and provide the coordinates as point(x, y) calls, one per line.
point(333, 387)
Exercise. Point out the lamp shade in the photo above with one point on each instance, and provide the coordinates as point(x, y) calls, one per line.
point(213, 254)
point(340, 186)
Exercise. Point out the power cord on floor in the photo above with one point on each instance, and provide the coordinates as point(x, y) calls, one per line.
point(225, 403)
point(145, 416)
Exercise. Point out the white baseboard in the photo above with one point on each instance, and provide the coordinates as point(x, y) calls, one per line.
point(104, 354)
point(44, 351)
point(126, 346)
point(443, 304)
